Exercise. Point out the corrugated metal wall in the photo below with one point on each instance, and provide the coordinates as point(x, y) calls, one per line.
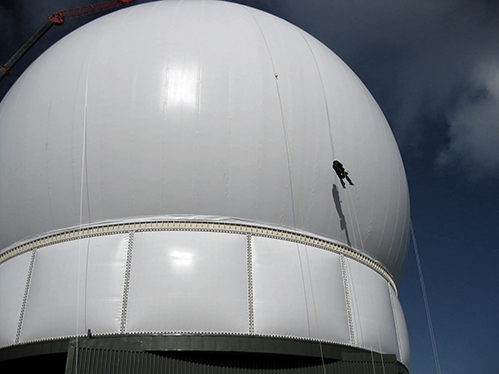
point(109, 361)
point(143, 354)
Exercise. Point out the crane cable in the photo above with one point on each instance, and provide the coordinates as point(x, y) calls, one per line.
point(425, 298)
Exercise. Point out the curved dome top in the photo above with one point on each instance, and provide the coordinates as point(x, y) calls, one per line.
point(200, 107)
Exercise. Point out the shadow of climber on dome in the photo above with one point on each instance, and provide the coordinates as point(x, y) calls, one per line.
point(343, 221)
point(342, 174)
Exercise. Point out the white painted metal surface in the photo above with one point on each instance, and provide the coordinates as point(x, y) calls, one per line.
point(55, 303)
point(183, 281)
point(199, 109)
point(403, 335)
point(374, 325)
point(293, 284)
point(13, 277)
point(196, 282)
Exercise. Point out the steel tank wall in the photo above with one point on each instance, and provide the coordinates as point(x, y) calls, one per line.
point(226, 119)
point(200, 107)
point(197, 278)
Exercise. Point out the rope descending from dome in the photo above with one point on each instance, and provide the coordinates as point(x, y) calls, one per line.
point(292, 177)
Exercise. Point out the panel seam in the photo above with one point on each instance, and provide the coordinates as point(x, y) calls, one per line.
point(25, 297)
point(395, 322)
point(126, 284)
point(230, 228)
point(249, 261)
point(348, 303)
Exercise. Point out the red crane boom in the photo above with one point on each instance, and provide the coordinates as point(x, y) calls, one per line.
point(58, 18)
point(68, 14)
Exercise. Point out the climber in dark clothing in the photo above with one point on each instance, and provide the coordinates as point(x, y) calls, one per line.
point(342, 174)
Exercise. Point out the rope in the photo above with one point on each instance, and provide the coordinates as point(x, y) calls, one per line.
point(323, 94)
point(362, 284)
point(350, 198)
point(83, 181)
point(292, 176)
point(348, 194)
point(427, 305)
point(372, 361)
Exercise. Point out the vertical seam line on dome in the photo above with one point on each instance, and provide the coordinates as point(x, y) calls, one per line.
point(373, 216)
point(54, 82)
point(283, 121)
point(387, 191)
point(25, 297)
point(356, 229)
point(291, 179)
point(323, 93)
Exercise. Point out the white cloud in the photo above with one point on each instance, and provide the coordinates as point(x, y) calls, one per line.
point(474, 126)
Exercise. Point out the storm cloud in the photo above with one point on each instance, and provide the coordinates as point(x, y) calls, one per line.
point(431, 65)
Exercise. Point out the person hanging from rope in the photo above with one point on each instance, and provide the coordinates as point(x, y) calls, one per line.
point(342, 174)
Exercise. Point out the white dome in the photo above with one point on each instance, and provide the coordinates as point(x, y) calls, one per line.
point(200, 108)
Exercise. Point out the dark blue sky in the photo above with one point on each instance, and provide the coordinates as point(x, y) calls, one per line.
point(433, 67)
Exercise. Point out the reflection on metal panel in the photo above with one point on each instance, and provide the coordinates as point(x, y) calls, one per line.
point(76, 286)
point(196, 282)
point(56, 301)
point(13, 278)
point(104, 277)
point(298, 291)
point(194, 223)
point(374, 325)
